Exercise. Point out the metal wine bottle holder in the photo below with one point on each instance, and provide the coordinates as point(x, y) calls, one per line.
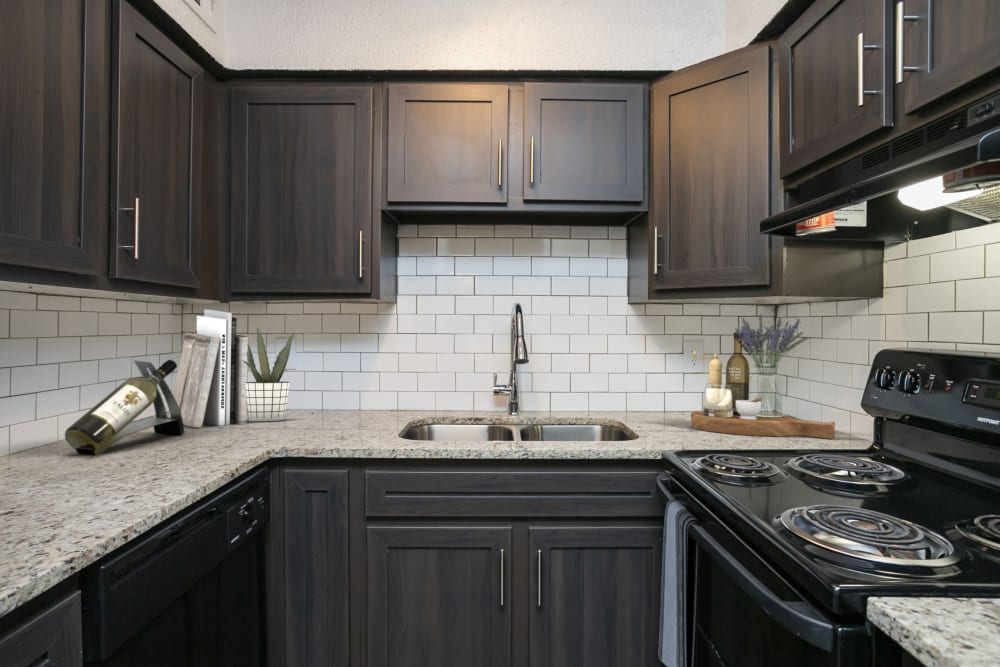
point(168, 414)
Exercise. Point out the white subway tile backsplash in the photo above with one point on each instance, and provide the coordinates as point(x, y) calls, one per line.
point(33, 323)
point(956, 327)
point(576, 286)
point(910, 271)
point(980, 295)
point(18, 301)
point(33, 433)
point(958, 264)
point(977, 236)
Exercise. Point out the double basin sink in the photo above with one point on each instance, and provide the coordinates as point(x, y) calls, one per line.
point(508, 432)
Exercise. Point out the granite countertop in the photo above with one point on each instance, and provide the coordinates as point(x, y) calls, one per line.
point(60, 511)
point(942, 632)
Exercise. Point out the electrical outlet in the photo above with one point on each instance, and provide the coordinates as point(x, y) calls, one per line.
point(695, 351)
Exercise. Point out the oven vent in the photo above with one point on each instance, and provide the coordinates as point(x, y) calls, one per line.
point(875, 157)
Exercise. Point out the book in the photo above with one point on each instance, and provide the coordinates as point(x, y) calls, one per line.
point(217, 412)
point(199, 355)
point(240, 393)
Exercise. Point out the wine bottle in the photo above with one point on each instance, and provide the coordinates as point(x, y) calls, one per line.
point(738, 372)
point(94, 431)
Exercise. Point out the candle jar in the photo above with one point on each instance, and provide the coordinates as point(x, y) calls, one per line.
point(717, 400)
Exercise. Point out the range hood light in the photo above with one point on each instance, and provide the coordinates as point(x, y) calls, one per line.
point(929, 194)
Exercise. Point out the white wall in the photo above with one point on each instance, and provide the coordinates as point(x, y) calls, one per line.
point(204, 22)
point(941, 292)
point(473, 34)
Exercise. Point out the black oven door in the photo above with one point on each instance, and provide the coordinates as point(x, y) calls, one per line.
point(739, 612)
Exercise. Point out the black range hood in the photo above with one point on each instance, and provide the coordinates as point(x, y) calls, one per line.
point(960, 140)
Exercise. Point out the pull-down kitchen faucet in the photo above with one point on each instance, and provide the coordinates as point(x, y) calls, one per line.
point(518, 355)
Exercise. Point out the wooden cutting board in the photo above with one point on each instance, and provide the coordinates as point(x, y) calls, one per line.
point(766, 427)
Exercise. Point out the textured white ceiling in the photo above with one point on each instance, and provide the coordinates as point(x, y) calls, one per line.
point(472, 34)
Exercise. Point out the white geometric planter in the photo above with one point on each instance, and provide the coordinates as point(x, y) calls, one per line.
point(266, 401)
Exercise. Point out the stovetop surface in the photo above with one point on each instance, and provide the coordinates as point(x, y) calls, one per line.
point(929, 497)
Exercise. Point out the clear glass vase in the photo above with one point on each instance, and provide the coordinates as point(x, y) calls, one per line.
point(767, 389)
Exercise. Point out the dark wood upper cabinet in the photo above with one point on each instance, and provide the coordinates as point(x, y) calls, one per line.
point(439, 595)
point(314, 598)
point(584, 142)
point(447, 143)
point(709, 174)
point(54, 74)
point(834, 81)
point(595, 595)
point(946, 44)
point(302, 188)
point(156, 193)
point(51, 638)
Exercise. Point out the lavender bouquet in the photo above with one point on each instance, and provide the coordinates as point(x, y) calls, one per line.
point(767, 345)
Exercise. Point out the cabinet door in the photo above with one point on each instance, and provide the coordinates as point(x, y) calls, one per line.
point(447, 143)
point(584, 142)
point(53, 637)
point(595, 595)
point(301, 188)
point(709, 172)
point(945, 45)
point(315, 611)
point(158, 124)
point(53, 148)
point(439, 595)
point(834, 79)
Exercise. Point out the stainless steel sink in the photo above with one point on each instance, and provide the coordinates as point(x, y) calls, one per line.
point(588, 432)
point(508, 432)
point(477, 432)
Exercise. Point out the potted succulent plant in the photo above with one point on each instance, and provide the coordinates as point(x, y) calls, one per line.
point(267, 396)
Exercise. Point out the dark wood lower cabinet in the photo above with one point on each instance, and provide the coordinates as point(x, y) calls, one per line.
point(439, 595)
point(52, 637)
point(314, 628)
point(596, 595)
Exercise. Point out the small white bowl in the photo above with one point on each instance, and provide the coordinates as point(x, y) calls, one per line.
point(748, 409)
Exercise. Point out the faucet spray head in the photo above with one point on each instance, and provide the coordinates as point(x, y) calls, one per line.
point(520, 347)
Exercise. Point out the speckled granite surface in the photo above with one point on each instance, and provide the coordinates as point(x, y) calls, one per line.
point(942, 632)
point(60, 511)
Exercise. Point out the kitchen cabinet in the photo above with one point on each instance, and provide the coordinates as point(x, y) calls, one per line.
point(944, 46)
point(596, 594)
point(54, 83)
point(302, 189)
point(53, 636)
point(156, 189)
point(584, 141)
point(709, 175)
point(447, 143)
point(467, 567)
point(438, 594)
point(310, 585)
point(834, 80)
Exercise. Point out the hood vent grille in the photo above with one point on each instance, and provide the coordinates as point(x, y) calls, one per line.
point(911, 141)
point(985, 206)
point(946, 125)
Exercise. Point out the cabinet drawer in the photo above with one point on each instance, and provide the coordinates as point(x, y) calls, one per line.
point(391, 493)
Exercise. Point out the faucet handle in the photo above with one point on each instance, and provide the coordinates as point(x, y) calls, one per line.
point(500, 388)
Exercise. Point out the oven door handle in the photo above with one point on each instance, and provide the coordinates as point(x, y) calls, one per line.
point(799, 618)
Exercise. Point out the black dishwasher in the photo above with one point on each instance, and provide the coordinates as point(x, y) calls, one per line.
point(189, 592)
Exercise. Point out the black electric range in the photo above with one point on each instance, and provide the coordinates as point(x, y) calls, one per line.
point(917, 513)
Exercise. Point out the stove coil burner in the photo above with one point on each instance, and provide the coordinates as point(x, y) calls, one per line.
point(858, 537)
point(981, 534)
point(840, 472)
point(737, 469)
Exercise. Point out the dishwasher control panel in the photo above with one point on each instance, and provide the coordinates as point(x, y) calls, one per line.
point(248, 513)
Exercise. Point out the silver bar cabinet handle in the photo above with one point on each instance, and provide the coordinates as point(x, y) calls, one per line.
point(656, 251)
point(531, 161)
point(501, 577)
point(539, 578)
point(361, 254)
point(499, 163)
point(135, 229)
point(901, 18)
point(862, 47)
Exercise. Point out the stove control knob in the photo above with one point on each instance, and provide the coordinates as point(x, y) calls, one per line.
point(909, 382)
point(884, 378)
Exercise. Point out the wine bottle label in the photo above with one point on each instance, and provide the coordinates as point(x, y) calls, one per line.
point(734, 374)
point(122, 407)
